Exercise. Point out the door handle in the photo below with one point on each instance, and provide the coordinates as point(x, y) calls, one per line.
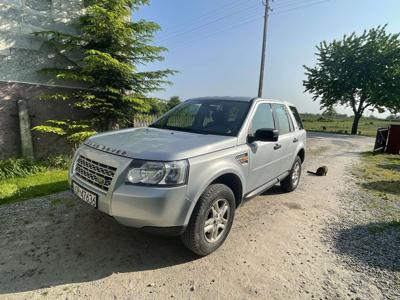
point(277, 146)
point(295, 140)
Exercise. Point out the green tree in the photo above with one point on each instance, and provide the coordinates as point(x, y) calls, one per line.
point(103, 58)
point(174, 101)
point(359, 71)
point(330, 112)
point(158, 106)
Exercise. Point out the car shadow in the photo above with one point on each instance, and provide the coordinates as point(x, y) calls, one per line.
point(375, 244)
point(66, 241)
point(275, 190)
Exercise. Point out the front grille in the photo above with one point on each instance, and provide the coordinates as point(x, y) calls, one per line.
point(94, 172)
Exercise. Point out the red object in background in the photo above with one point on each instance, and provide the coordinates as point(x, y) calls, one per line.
point(393, 145)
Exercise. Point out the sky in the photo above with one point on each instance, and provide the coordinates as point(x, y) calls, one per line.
point(216, 44)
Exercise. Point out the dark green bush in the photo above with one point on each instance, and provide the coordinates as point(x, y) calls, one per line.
point(20, 167)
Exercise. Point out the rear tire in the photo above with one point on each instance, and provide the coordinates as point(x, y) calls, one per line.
point(290, 183)
point(211, 220)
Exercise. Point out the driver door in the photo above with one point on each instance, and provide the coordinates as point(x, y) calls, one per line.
point(264, 157)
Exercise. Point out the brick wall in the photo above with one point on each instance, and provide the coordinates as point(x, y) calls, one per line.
point(22, 55)
point(39, 110)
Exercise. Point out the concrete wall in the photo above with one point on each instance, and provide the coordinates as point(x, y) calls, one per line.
point(21, 56)
point(21, 53)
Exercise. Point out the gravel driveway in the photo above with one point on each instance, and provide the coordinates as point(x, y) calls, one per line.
point(282, 246)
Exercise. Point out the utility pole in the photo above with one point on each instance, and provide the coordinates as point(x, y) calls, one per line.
point(264, 44)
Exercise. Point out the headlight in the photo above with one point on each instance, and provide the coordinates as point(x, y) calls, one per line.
point(154, 172)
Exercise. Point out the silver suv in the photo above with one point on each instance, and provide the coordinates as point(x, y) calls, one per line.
point(188, 172)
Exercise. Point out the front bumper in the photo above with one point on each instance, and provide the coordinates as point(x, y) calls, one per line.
point(157, 209)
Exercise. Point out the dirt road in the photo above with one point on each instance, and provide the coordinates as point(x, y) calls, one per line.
point(58, 247)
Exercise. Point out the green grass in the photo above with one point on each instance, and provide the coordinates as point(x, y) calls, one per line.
point(40, 184)
point(367, 126)
point(379, 175)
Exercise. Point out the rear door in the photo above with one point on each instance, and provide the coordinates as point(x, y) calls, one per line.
point(287, 136)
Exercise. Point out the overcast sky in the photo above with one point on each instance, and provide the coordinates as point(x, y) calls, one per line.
point(216, 44)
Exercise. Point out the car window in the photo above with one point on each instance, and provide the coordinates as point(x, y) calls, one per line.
point(282, 119)
point(184, 117)
point(263, 118)
point(208, 116)
point(297, 117)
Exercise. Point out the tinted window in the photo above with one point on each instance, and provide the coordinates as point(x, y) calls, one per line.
point(263, 118)
point(297, 117)
point(221, 117)
point(282, 118)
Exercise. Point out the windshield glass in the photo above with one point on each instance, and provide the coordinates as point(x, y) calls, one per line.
point(220, 117)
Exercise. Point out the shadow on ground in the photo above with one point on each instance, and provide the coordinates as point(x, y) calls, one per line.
point(52, 243)
point(375, 244)
point(390, 167)
point(385, 186)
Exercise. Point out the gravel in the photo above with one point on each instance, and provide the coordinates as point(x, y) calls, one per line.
point(365, 241)
point(314, 243)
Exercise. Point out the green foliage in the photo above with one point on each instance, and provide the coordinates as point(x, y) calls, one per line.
point(359, 71)
point(330, 112)
point(103, 58)
point(20, 167)
point(174, 101)
point(75, 132)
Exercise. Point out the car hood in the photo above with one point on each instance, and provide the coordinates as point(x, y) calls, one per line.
point(159, 144)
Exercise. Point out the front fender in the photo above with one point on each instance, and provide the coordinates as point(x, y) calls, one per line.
point(206, 169)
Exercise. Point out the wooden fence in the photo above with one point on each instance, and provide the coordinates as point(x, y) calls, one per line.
point(143, 120)
point(179, 121)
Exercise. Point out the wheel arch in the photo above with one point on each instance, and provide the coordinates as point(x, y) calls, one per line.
point(234, 182)
point(228, 177)
point(302, 154)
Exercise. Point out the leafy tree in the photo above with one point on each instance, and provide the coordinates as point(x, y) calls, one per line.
point(359, 71)
point(174, 101)
point(158, 106)
point(102, 59)
point(330, 112)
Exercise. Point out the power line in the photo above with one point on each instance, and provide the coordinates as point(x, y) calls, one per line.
point(240, 14)
point(210, 23)
point(207, 16)
point(233, 26)
point(253, 18)
point(301, 7)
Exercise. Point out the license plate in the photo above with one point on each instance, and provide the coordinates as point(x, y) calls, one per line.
point(84, 194)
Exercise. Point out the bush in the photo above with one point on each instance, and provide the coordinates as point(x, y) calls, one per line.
point(20, 167)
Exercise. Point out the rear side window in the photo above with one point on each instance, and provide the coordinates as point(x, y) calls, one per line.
point(282, 117)
point(263, 118)
point(297, 117)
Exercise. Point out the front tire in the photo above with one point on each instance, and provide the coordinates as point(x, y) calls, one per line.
point(290, 183)
point(211, 220)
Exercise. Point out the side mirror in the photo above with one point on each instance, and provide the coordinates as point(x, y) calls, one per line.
point(265, 135)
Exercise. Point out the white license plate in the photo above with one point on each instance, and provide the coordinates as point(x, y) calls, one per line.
point(84, 194)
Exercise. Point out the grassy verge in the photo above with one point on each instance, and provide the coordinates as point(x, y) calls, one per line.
point(40, 184)
point(379, 175)
point(367, 126)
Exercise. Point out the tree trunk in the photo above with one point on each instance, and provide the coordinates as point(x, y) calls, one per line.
point(357, 117)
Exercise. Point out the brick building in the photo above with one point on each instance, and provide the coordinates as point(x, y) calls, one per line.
point(21, 56)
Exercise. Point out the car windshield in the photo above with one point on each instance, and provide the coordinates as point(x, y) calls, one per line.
point(220, 117)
